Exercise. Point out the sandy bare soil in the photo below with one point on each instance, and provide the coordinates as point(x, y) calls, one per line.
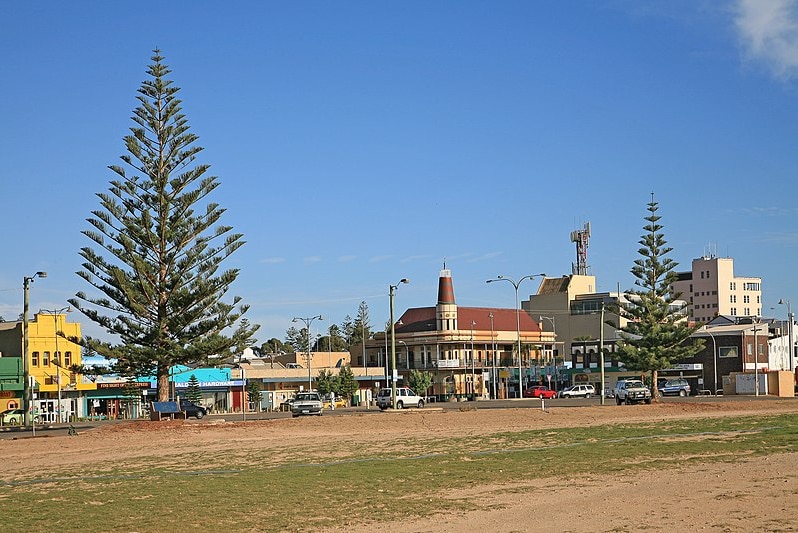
point(750, 495)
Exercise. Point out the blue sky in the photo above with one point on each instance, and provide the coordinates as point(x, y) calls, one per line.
point(358, 143)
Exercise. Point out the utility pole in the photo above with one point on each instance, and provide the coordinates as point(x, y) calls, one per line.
point(27, 388)
point(391, 289)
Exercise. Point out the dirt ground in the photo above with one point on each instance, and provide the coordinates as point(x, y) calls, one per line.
point(750, 495)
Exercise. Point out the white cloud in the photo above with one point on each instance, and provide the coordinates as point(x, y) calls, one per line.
point(273, 260)
point(313, 259)
point(770, 211)
point(484, 257)
point(769, 32)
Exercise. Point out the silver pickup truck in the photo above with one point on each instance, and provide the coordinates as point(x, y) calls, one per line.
point(306, 403)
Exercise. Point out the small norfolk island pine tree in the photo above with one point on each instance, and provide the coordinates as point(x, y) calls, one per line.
point(657, 333)
point(159, 276)
point(193, 390)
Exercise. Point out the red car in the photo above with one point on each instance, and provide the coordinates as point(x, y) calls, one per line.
point(540, 392)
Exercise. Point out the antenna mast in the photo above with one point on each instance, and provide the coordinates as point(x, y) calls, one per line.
point(582, 238)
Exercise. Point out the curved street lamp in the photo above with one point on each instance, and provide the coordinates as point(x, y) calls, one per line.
point(308, 321)
point(515, 285)
point(27, 390)
point(714, 357)
point(391, 289)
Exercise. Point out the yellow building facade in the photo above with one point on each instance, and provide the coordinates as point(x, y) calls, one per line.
point(58, 392)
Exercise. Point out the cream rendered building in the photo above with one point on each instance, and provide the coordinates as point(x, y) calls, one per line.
point(712, 289)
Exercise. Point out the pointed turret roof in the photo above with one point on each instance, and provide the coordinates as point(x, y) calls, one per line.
point(445, 287)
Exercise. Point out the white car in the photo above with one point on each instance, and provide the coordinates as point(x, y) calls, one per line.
point(578, 391)
point(306, 403)
point(405, 397)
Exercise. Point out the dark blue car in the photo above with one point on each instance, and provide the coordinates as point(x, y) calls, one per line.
point(192, 409)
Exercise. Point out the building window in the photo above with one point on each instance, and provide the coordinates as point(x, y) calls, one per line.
point(747, 311)
point(733, 311)
point(727, 351)
point(67, 358)
point(733, 286)
point(702, 274)
point(34, 358)
point(746, 299)
point(707, 274)
point(46, 359)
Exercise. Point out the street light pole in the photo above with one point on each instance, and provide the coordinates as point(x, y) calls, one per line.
point(57, 357)
point(391, 289)
point(308, 321)
point(493, 352)
point(553, 349)
point(363, 346)
point(515, 285)
point(473, 369)
point(714, 359)
point(407, 355)
point(790, 338)
point(27, 390)
point(756, 360)
point(601, 354)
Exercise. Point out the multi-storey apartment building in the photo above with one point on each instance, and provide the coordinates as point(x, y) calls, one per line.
point(712, 289)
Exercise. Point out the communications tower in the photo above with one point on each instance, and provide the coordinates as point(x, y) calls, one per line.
point(581, 237)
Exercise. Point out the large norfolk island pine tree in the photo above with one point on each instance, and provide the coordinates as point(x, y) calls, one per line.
point(160, 248)
point(656, 334)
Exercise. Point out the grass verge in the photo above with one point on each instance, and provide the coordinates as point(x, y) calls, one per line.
point(409, 479)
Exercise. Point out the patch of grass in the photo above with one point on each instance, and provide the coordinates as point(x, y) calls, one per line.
point(308, 490)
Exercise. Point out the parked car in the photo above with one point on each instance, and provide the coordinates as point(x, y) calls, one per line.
point(306, 403)
point(673, 387)
point(405, 397)
point(631, 391)
point(192, 410)
point(339, 402)
point(286, 405)
point(539, 391)
point(578, 391)
point(14, 417)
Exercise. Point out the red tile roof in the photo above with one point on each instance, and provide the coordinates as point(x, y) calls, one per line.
point(423, 319)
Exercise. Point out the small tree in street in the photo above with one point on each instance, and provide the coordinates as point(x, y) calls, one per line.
point(656, 334)
point(347, 384)
point(419, 381)
point(193, 391)
point(131, 395)
point(327, 382)
point(254, 394)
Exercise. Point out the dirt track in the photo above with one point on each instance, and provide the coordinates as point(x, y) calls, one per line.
point(751, 495)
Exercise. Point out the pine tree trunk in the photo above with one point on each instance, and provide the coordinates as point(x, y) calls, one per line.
point(163, 383)
point(654, 390)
